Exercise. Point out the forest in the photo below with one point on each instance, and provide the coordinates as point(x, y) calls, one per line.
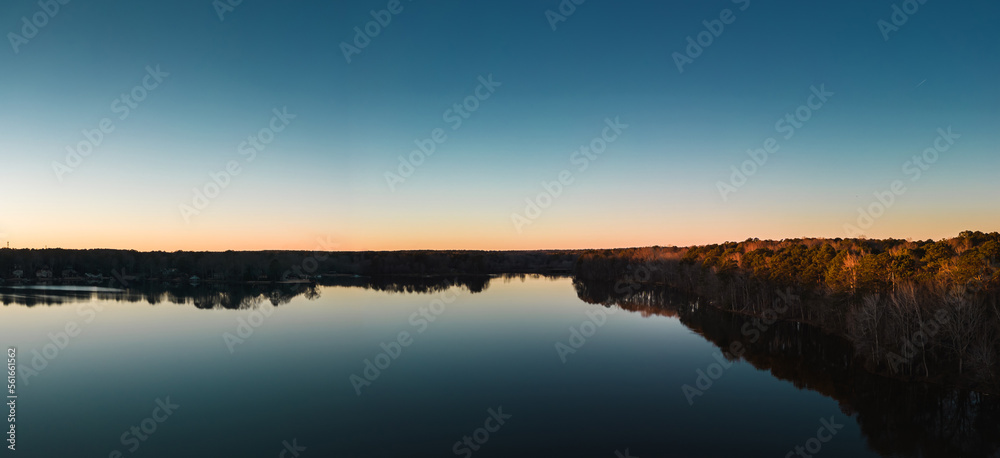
point(924, 310)
point(123, 266)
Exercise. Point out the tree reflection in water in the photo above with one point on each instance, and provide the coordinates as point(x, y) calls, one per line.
point(239, 295)
point(897, 418)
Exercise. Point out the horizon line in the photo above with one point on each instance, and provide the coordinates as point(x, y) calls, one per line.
point(862, 237)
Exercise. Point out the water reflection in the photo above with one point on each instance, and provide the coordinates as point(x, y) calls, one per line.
point(201, 296)
point(897, 418)
point(236, 296)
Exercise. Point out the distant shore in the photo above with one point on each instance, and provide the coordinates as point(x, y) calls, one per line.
point(126, 266)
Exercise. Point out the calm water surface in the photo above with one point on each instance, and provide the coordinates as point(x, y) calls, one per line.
point(285, 377)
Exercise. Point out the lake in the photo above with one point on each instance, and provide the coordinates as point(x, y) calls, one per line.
point(503, 366)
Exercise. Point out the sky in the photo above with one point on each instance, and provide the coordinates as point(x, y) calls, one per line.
point(201, 125)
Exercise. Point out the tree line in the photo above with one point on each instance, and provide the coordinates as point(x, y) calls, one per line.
point(927, 310)
point(267, 266)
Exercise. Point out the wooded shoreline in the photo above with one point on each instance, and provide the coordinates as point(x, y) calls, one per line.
point(917, 310)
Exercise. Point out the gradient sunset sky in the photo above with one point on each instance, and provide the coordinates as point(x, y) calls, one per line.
point(323, 176)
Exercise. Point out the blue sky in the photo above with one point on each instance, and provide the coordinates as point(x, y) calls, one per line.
point(324, 175)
